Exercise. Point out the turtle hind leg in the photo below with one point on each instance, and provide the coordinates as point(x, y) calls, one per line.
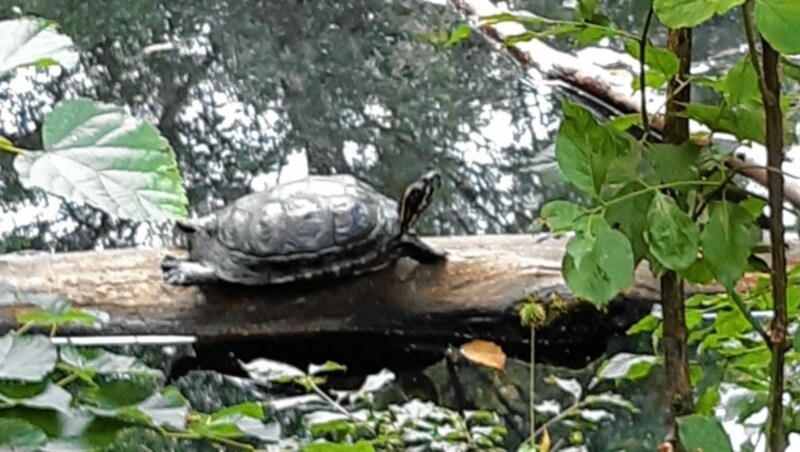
point(179, 272)
point(421, 252)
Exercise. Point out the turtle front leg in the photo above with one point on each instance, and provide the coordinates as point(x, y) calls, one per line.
point(180, 272)
point(421, 252)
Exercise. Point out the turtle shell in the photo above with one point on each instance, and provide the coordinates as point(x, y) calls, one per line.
point(305, 229)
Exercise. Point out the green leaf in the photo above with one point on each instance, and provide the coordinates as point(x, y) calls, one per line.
point(728, 239)
point(745, 122)
point(167, 408)
point(34, 41)
point(243, 420)
point(740, 84)
point(249, 409)
point(98, 361)
point(54, 311)
point(675, 163)
point(327, 366)
point(646, 324)
point(26, 358)
point(703, 434)
point(460, 33)
point(731, 323)
point(606, 266)
point(662, 64)
point(626, 365)
point(625, 122)
point(591, 155)
point(796, 340)
point(18, 433)
point(560, 215)
point(777, 21)
point(671, 234)
point(98, 154)
point(698, 273)
point(689, 13)
point(359, 446)
point(626, 215)
point(53, 397)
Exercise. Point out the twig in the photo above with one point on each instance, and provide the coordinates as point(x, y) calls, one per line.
point(642, 74)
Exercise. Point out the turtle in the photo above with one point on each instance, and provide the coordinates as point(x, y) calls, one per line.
point(318, 227)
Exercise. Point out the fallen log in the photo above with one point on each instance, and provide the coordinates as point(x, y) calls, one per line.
point(474, 294)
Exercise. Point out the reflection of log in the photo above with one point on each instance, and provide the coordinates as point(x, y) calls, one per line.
point(472, 295)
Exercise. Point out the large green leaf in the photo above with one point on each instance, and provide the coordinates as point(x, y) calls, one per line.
point(728, 239)
point(98, 154)
point(26, 358)
point(591, 155)
point(745, 121)
point(672, 236)
point(53, 397)
point(28, 41)
point(600, 264)
point(777, 21)
point(688, 13)
point(99, 361)
point(167, 408)
point(19, 433)
point(703, 433)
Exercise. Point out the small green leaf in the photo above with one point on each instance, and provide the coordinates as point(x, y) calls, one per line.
point(560, 215)
point(626, 365)
point(605, 269)
point(728, 239)
point(34, 41)
point(328, 366)
point(777, 21)
point(98, 154)
point(625, 122)
point(671, 234)
point(19, 433)
point(689, 13)
point(359, 446)
point(646, 324)
point(249, 409)
point(703, 434)
point(460, 33)
point(26, 358)
point(662, 63)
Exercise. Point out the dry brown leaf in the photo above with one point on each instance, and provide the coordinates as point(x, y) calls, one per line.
point(544, 442)
point(485, 353)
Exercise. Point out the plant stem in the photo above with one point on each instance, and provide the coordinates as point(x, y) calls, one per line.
point(676, 361)
point(643, 75)
point(532, 385)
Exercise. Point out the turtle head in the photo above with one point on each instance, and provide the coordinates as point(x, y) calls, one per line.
point(416, 199)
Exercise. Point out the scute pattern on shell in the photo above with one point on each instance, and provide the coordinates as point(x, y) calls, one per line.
point(307, 219)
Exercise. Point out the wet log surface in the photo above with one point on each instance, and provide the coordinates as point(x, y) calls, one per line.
point(472, 295)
